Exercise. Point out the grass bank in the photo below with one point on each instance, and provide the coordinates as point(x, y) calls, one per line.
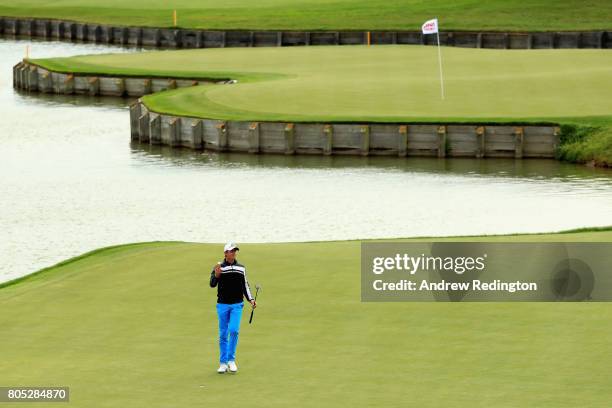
point(135, 326)
point(536, 15)
point(587, 143)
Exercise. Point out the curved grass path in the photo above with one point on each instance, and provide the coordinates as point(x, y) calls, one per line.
point(359, 83)
point(535, 15)
point(135, 326)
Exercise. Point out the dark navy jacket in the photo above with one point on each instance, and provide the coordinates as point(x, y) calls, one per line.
point(232, 284)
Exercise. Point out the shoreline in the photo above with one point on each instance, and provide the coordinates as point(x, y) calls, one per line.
point(466, 238)
point(402, 139)
point(444, 138)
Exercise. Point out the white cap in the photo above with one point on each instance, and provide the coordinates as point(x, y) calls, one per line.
point(229, 246)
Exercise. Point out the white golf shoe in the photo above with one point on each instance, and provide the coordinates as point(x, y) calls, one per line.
point(222, 368)
point(232, 366)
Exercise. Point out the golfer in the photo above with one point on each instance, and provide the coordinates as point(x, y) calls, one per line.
point(230, 278)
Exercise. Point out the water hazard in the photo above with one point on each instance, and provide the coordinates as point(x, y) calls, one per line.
point(71, 181)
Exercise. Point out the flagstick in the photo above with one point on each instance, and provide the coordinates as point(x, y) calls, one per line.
point(440, 62)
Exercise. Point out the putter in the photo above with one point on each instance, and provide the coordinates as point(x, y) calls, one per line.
point(257, 287)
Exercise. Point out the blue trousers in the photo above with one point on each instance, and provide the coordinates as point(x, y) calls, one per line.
point(229, 325)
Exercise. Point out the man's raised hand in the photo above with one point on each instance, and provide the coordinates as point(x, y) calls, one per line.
point(218, 270)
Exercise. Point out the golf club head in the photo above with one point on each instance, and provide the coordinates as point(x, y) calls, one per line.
point(257, 286)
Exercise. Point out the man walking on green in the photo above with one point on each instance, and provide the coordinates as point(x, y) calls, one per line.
point(230, 278)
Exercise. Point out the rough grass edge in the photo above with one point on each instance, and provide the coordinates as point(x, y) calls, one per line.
point(586, 144)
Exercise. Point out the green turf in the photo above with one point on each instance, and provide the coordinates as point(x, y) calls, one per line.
point(360, 83)
point(535, 15)
point(136, 326)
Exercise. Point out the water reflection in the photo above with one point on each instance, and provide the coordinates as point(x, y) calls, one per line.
point(527, 169)
point(41, 99)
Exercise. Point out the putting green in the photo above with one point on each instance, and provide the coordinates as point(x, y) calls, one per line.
point(327, 14)
point(135, 326)
point(360, 83)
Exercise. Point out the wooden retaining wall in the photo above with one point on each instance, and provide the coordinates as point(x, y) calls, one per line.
point(391, 139)
point(194, 38)
point(30, 77)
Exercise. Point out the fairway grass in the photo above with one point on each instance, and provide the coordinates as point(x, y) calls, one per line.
point(537, 15)
point(135, 326)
